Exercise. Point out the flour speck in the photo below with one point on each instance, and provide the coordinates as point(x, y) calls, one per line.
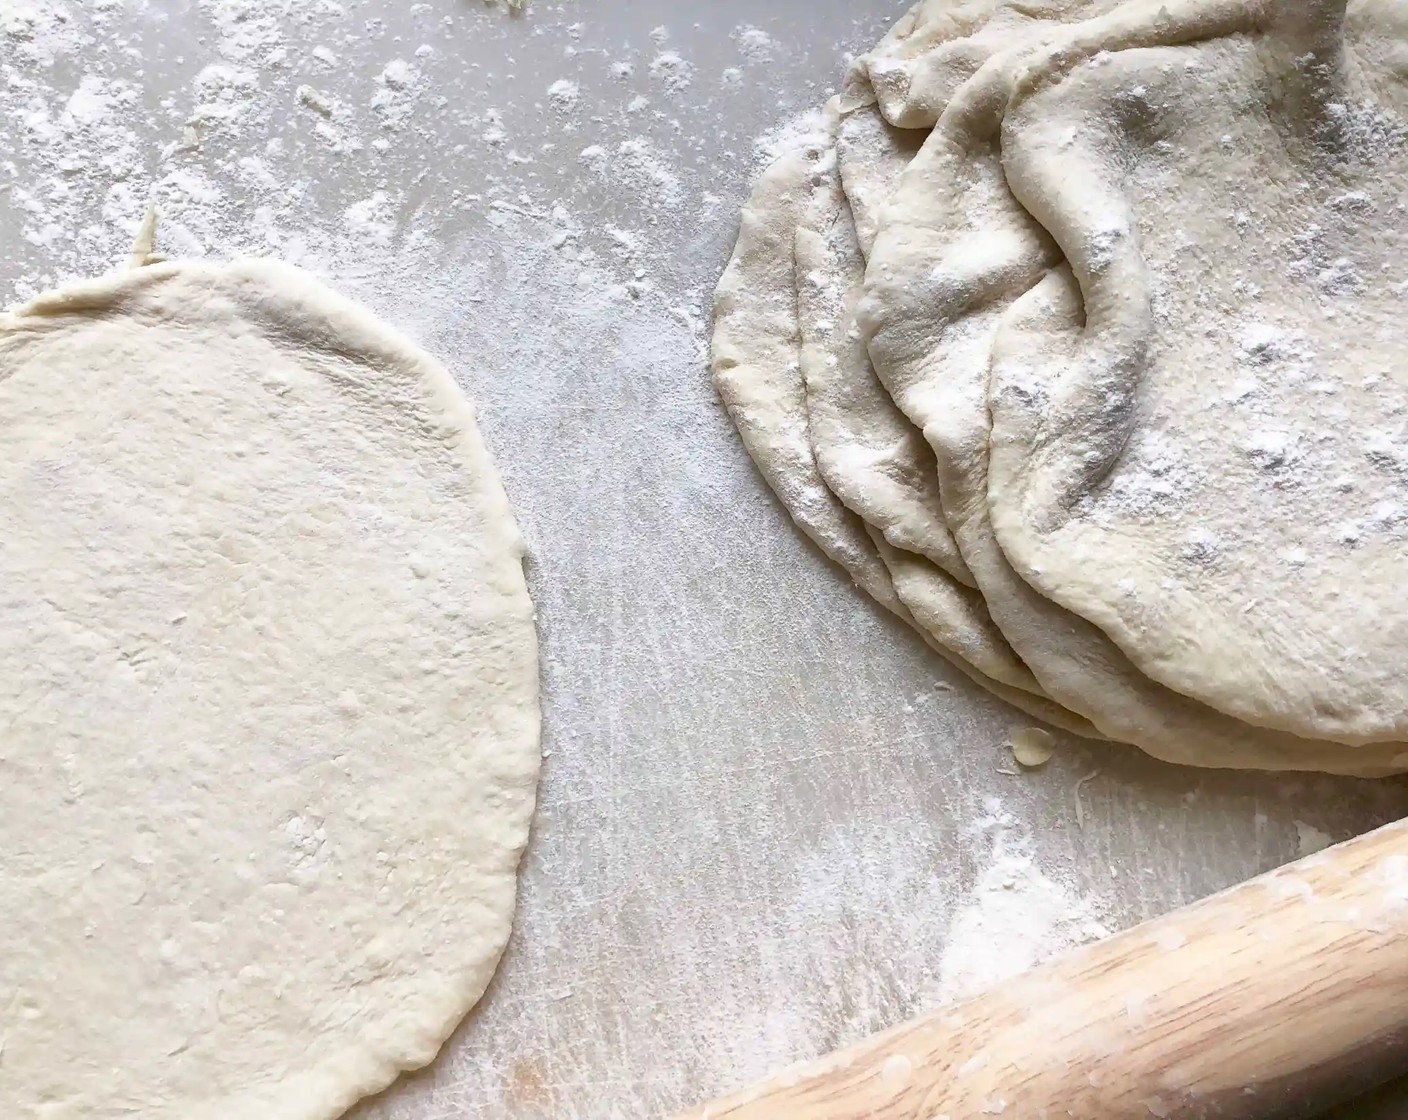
point(563, 95)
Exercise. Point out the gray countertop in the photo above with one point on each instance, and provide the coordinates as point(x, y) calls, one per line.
point(771, 821)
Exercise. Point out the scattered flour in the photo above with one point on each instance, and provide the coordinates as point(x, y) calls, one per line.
point(963, 925)
point(37, 32)
point(1156, 475)
point(399, 87)
point(754, 43)
point(1014, 916)
point(808, 126)
point(641, 166)
point(250, 31)
point(372, 220)
point(563, 95)
point(285, 114)
point(672, 71)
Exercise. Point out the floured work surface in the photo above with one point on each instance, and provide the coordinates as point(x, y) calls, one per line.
point(771, 820)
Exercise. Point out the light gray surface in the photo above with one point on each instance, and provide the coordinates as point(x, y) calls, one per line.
point(763, 802)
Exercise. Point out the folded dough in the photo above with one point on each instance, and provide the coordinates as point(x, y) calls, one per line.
point(757, 365)
point(870, 456)
point(954, 254)
point(939, 44)
point(1211, 468)
point(757, 353)
point(1064, 119)
point(868, 453)
point(1080, 666)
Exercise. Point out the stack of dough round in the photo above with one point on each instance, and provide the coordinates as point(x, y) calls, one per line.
point(1074, 332)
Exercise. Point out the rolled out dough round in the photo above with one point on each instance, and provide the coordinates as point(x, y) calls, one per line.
point(1225, 430)
point(268, 684)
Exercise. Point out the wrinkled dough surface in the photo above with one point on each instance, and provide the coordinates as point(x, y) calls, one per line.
point(872, 154)
point(270, 701)
point(1076, 661)
point(756, 363)
point(902, 564)
point(871, 457)
point(867, 451)
point(863, 448)
point(1224, 436)
point(950, 260)
point(938, 45)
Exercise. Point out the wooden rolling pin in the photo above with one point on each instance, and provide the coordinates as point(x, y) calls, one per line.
point(1274, 999)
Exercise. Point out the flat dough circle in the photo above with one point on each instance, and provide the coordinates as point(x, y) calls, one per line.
point(270, 700)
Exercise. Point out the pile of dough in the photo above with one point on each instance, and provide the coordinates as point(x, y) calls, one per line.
point(1074, 331)
point(268, 695)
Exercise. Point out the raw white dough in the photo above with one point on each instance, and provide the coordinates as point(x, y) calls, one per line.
point(1020, 698)
point(822, 431)
point(756, 360)
point(1224, 439)
point(871, 155)
point(951, 278)
point(939, 44)
point(1032, 747)
point(1078, 664)
point(867, 452)
point(955, 251)
point(870, 456)
point(756, 365)
point(269, 697)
